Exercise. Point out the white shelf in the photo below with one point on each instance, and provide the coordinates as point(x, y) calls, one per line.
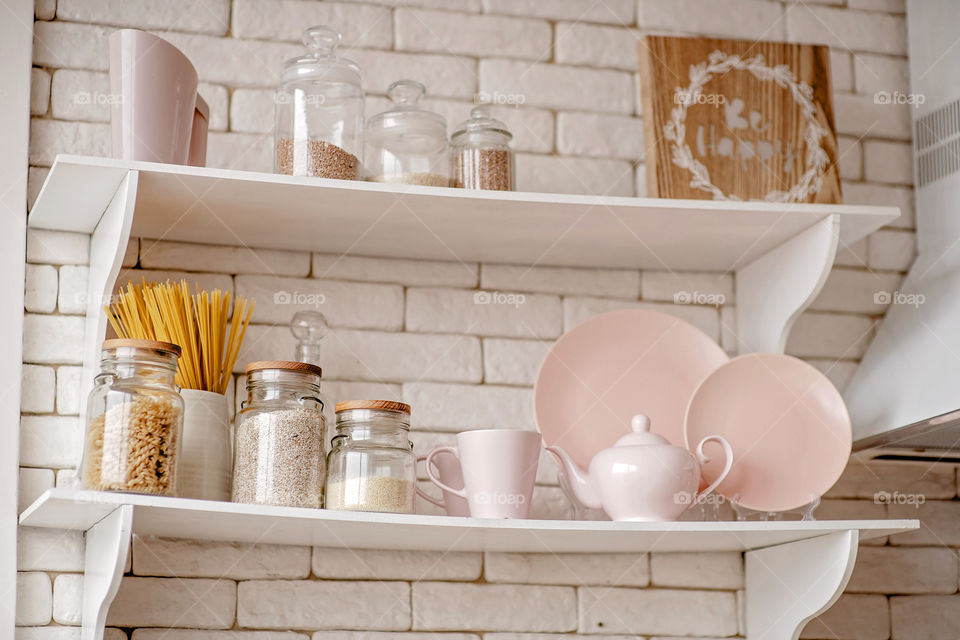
point(226, 521)
point(243, 208)
point(794, 570)
point(780, 255)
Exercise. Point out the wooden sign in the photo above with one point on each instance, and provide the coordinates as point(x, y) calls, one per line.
point(738, 120)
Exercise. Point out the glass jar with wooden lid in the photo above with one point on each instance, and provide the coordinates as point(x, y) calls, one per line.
point(371, 466)
point(279, 442)
point(134, 419)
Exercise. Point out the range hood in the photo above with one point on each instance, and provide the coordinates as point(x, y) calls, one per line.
point(904, 399)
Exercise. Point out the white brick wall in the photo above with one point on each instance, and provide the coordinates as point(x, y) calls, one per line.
point(573, 64)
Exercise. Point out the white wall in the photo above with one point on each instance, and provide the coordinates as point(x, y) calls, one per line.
point(579, 130)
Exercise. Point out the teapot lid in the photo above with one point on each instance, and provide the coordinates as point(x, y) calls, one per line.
point(641, 434)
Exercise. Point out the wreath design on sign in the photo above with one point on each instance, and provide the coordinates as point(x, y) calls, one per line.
point(719, 63)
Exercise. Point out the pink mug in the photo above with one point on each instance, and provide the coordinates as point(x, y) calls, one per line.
point(499, 469)
point(449, 470)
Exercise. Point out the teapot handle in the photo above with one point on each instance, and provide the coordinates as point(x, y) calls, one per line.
point(728, 456)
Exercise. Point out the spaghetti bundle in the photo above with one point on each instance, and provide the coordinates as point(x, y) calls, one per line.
point(197, 323)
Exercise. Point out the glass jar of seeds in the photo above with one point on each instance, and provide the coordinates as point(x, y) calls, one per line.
point(279, 440)
point(134, 420)
point(480, 150)
point(407, 144)
point(319, 112)
point(371, 466)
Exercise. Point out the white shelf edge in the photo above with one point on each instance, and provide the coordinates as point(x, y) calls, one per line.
point(121, 166)
point(80, 510)
point(783, 559)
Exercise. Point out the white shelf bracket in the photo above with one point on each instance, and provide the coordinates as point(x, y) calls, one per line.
point(790, 584)
point(107, 545)
point(773, 290)
point(108, 244)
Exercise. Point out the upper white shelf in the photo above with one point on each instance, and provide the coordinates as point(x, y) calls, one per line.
point(226, 521)
point(242, 208)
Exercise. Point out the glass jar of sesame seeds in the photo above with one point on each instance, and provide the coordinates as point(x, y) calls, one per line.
point(371, 466)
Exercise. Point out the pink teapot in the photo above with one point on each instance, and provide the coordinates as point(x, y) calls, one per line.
point(642, 477)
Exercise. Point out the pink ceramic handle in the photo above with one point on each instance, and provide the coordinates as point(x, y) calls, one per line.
point(426, 496)
point(727, 453)
point(452, 450)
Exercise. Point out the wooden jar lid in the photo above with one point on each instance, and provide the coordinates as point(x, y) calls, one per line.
point(286, 365)
point(378, 405)
point(120, 343)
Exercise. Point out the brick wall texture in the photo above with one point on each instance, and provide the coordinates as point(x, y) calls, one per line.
point(406, 329)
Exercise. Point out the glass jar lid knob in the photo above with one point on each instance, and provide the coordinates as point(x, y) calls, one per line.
point(321, 40)
point(481, 111)
point(309, 327)
point(406, 92)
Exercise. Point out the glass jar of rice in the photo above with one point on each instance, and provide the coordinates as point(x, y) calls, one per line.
point(371, 466)
point(278, 446)
point(134, 420)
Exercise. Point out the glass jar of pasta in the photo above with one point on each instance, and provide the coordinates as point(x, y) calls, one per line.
point(134, 420)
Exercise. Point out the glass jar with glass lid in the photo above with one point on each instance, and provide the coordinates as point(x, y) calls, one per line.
point(480, 149)
point(319, 112)
point(134, 419)
point(279, 442)
point(407, 144)
point(371, 466)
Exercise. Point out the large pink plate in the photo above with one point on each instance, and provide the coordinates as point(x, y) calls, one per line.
point(604, 371)
point(787, 424)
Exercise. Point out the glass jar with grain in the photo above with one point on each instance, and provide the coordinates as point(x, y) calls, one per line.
point(279, 441)
point(407, 144)
point(134, 420)
point(319, 112)
point(371, 466)
point(481, 154)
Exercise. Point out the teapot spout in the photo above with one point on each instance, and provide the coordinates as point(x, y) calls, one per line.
point(580, 481)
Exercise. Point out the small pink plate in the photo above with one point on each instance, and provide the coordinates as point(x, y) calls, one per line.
point(787, 424)
point(606, 370)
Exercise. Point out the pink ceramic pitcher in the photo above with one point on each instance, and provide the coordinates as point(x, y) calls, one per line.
point(154, 90)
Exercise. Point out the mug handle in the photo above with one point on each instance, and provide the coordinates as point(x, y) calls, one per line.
point(452, 450)
point(703, 458)
point(426, 496)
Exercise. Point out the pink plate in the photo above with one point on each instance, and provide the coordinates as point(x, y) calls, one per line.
point(608, 369)
point(787, 424)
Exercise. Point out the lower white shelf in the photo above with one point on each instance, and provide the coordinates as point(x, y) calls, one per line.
point(794, 570)
point(226, 521)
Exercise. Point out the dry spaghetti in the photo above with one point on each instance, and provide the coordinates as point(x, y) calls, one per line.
point(198, 323)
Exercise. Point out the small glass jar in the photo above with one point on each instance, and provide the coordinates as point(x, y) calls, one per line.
point(319, 112)
point(481, 154)
point(371, 466)
point(134, 420)
point(408, 144)
point(279, 452)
